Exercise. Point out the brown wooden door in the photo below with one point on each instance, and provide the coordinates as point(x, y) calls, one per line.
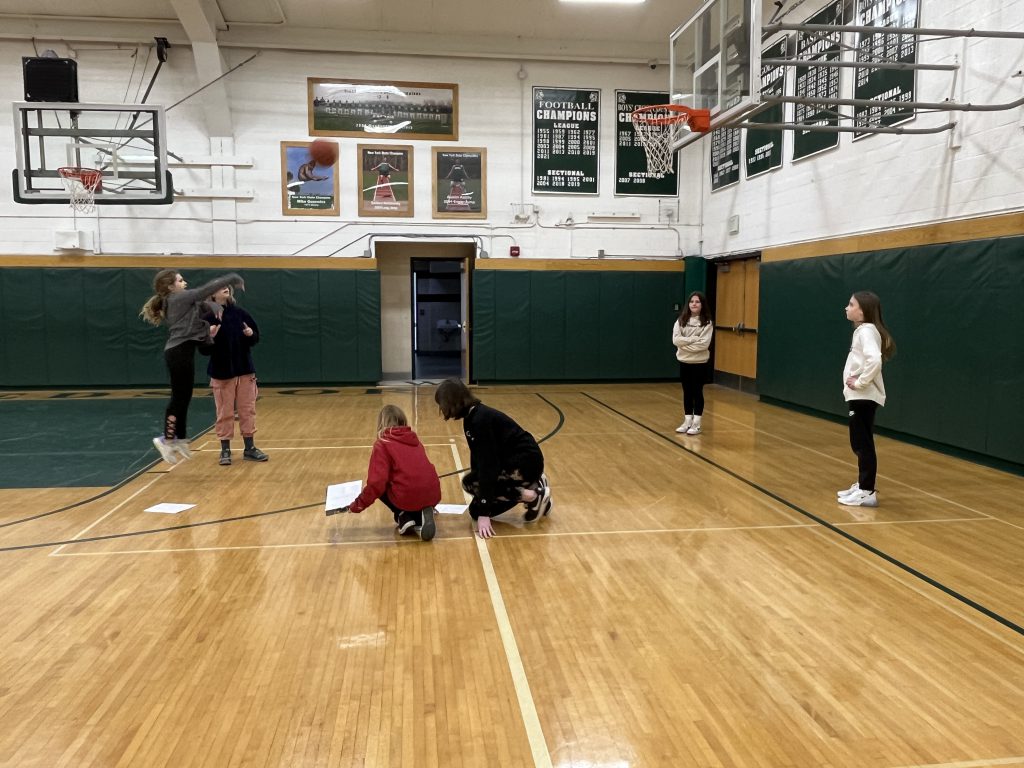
point(736, 303)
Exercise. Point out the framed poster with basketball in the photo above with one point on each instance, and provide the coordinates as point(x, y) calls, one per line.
point(460, 183)
point(309, 178)
point(368, 109)
point(385, 180)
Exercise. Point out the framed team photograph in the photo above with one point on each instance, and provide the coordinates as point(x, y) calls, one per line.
point(365, 109)
point(385, 180)
point(309, 184)
point(460, 183)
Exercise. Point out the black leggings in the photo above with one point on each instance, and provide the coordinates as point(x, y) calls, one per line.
point(862, 441)
point(524, 472)
point(398, 512)
point(692, 376)
point(181, 364)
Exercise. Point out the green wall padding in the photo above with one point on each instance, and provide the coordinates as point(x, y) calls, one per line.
point(571, 326)
point(956, 311)
point(80, 327)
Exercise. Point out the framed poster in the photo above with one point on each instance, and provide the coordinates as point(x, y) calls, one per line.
point(307, 189)
point(366, 109)
point(818, 82)
point(631, 174)
point(565, 140)
point(384, 180)
point(884, 84)
point(460, 183)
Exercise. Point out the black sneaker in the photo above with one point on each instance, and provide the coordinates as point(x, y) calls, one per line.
point(428, 528)
point(407, 523)
point(542, 506)
point(225, 457)
point(254, 454)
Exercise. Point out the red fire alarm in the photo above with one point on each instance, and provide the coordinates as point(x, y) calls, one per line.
point(513, 250)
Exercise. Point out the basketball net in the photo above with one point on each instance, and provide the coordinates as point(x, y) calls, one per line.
point(82, 185)
point(658, 126)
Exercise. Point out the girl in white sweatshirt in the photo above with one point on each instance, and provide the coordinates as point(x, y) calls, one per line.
point(864, 391)
point(691, 335)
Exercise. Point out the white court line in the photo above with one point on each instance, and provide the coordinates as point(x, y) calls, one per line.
point(112, 511)
point(216, 447)
point(527, 707)
point(369, 542)
point(970, 763)
point(846, 463)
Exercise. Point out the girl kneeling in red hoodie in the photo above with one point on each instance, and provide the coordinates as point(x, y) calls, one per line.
point(401, 476)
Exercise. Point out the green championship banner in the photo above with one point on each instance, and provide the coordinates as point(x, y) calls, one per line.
point(725, 157)
point(631, 174)
point(764, 148)
point(818, 82)
point(884, 84)
point(565, 140)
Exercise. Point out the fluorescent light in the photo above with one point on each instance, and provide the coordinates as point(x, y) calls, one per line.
point(606, 2)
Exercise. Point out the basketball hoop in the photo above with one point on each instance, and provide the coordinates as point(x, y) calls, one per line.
point(82, 185)
point(658, 125)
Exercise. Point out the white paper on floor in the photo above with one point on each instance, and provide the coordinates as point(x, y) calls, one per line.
point(451, 509)
point(342, 494)
point(169, 509)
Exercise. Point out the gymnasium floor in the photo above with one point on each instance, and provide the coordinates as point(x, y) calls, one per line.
point(691, 601)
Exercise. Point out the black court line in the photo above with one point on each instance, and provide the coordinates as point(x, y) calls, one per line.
point(107, 537)
point(824, 523)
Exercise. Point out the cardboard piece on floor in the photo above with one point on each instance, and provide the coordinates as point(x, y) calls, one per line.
point(342, 494)
point(451, 509)
point(168, 508)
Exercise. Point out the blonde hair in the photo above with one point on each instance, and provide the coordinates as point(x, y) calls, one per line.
point(390, 416)
point(154, 310)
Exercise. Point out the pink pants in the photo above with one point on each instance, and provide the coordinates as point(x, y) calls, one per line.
point(234, 394)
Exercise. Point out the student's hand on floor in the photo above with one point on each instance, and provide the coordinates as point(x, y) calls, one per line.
point(483, 527)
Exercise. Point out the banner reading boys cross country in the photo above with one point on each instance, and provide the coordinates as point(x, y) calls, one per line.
point(764, 147)
point(818, 82)
point(884, 84)
point(631, 175)
point(565, 140)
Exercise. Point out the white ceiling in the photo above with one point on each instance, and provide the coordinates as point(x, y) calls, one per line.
point(527, 29)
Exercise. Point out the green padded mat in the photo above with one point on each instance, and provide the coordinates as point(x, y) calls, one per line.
point(65, 443)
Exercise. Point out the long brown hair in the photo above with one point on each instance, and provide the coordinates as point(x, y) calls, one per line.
point(871, 306)
point(684, 313)
point(154, 310)
point(454, 399)
point(390, 416)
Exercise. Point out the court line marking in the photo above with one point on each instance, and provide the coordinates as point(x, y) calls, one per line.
point(849, 464)
point(108, 514)
point(969, 763)
point(240, 547)
point(849, 537)
point(527, 706)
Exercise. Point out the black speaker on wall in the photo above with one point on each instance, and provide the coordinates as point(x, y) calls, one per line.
point(50, 79)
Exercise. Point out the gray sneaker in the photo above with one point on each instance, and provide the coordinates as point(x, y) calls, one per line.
point(225, 457)
point(428, 528)
point(254, 454)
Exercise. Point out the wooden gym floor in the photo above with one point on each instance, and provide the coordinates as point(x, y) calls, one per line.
point(692, 601)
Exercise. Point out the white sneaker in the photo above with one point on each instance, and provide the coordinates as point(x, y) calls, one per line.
point(687, 422)
point(848, 491)
point(694, 429)
point(860, 498)
point(167, 452)
point(181, 446)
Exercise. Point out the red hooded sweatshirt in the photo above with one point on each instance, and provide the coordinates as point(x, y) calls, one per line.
point(399, 467)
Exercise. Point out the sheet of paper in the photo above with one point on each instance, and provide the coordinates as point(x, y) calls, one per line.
point(169, 509)
point(451, 509)
point(342, 494)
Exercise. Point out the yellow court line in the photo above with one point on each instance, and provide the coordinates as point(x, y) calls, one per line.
point(970, 763)
point(179, 550)
point(527, 707)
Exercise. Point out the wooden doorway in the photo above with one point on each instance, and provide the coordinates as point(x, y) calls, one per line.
point(737, 289)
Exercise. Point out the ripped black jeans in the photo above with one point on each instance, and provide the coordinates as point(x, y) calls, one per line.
point(524, 471)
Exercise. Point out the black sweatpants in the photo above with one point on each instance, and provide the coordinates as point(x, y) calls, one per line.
point(862, 441)
point(181, 365)
point(524, 471)
point(692, 376)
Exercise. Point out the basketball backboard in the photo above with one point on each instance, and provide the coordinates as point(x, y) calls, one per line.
point(715, 62)
point(125, 142)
